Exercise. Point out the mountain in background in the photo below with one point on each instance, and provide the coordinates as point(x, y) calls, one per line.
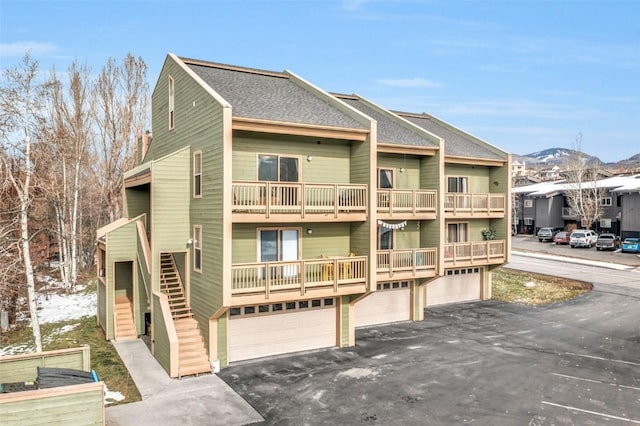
point(557, 156)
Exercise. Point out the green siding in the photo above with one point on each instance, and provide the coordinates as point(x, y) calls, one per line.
point(25, 368)
point(161, 348)
point(137, 202)
point(410, 177)
point(83, 407)
point(478, 176)
point(360, 173)
point(102, 305)
point(142, 304)
point(121, 247)
point(408, 237)
point(329, 159)
point(430, 179)
point(327, 239)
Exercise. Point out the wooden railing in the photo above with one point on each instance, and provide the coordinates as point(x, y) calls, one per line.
point(267, 277)
point(460, 203)
point(475, 253)
point(413, 261)
point(412, 201)
point(300, 199)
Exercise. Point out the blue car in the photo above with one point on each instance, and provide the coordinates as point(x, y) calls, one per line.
point(631, 245)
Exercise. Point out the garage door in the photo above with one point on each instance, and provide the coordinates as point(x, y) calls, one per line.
point(279, 328)
point(458, 285)
point(391, 303)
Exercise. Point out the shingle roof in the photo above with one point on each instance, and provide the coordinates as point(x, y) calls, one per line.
point(456, 143)
point(269, 95)
point(389, 131)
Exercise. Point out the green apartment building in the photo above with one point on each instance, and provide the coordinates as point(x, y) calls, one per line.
point(268, 216)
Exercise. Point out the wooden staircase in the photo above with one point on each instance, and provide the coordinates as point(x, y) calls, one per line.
point(192, 354)
point(125, 327)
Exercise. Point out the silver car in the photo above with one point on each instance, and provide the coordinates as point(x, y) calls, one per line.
point(583, 238)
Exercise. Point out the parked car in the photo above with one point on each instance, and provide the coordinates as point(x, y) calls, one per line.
point(631, 245)
point(607, 242)
point(546, 234)
point(583, 238)
point(561, 237)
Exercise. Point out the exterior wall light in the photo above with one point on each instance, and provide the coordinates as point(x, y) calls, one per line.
point(309, 231)
point(309, 158)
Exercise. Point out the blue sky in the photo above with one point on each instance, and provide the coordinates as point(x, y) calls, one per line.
point(522, 75)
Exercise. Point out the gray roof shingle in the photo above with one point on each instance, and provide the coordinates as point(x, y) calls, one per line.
point(389, 131)
point(270, 96)
point(456, 143)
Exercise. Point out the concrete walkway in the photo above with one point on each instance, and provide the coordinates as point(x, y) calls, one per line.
point(203, 400)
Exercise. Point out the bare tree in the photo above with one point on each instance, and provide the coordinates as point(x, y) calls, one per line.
point(68, 135)
point(21, 109)
point(121, 115)
point(583, 193)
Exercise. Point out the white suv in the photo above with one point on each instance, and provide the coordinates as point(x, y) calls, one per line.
point(583, 238)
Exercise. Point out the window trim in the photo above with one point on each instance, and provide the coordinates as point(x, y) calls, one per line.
point(528, 221)
point(172, 103)
point(606, 201)
point(459, 178)
point(393, 176)
point(467, 237)
point(197, 248)
point(278, 228)
point(528, 203)
point(278, 156)
point(197, 164)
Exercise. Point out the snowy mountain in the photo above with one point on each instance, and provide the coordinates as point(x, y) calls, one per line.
point(554, 156)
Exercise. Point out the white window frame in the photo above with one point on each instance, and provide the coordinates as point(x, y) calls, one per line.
point(605, 223)
point(197, 248)
point(606, 201)
point(528, 221)
point(197, 174)
point(172, 103)
point(528, 204)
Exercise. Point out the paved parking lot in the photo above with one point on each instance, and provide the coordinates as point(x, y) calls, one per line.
point(486, 363)
point(531, 243)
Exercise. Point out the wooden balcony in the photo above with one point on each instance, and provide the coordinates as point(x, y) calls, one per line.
point(280, 281)
point(476, 253)
point(407, 264)
point(474, 205)
point(407, 203)
point(288, 201)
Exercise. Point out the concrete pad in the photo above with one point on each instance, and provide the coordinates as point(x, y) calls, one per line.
point(203, 400)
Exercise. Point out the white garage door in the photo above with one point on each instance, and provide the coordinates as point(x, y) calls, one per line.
point(279, 328)
point(458, 285)
point(391, 304)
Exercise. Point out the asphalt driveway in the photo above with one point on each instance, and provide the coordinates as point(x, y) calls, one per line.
point(485, 363)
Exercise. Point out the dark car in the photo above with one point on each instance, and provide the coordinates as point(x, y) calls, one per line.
point(561, 237)
point(607, 242)
point(546, 234)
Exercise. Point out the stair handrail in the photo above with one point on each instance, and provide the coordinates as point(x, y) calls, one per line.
point(144, 249)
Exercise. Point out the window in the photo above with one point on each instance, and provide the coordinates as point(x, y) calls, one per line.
point(528, 221)
point(605, 201)
point(457, 184)
point(197, 248)
point(197, 174)
point(605, 223)
point(385, 178)
point(275, 168)
point(457, 232)
point(171, 103)
point(385, 238)
point(528, 203)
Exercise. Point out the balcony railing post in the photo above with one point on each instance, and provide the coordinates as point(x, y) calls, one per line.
point(303, 276)
point(303, 200)
point(267, 196)
point(267, 281)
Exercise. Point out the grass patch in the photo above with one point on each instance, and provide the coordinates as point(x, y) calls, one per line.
point(104, 357)
point(534, 289)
